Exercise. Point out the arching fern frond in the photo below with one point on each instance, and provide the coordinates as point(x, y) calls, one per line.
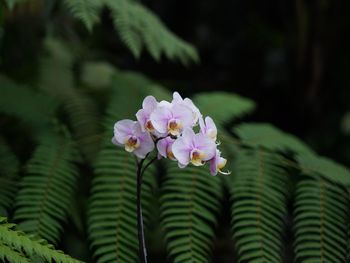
point(47, 188)
point(269, 137)
point(316, 165)
point(8, 254)
point(190, 204)
point(15, 245)
point(87, 11)
point(258, 193)
point(24, 103)
point(320, 222)
point(112, 223)
point(57, 80)
point(9, 168)
point(139, 27)
point(223, 106)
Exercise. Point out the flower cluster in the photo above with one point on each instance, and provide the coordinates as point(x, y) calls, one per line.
point(168, 126)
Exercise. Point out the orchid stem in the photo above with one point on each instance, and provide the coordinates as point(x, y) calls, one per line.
point(140, 228)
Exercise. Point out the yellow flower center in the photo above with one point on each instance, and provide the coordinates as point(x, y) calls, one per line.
point(170, 155)
point(131, 144)
point(197, 158)
point(174, 127)
point(149, 126)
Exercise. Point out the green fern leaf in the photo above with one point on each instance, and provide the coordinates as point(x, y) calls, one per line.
point(320, 166)
point(85, 10)
point(7, 254)
point(259, 196)
point(223, 106)
point(320, 222)
point(190, 204)
point(269, 137)
point(9, 168)
point(112, 210)
point(47, 189)
point(13, 243)
point(57, 80)
point(22, 102)
point(139, 27)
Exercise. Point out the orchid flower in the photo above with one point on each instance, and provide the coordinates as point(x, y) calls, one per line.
point(129, 134)
point(193, 148)
point(171, 118)
point(177, 99)
point(208, 127)
point(217, 163)
point(149, 104)
point(169, 126)
point(164, 147)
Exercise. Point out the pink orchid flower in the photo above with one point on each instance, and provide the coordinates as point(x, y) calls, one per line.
point(129, 134)
point(177, 99)
point(194, 148)
point(164, 147)
point(171, 119)
point(208, 127)
point(149, 104)
point(217, 163)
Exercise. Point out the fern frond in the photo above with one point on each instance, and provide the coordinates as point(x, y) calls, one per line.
point(9, 168)
point(112, 223)
point(223, 106)
point(269, 137)
point(139, 27)
point(259, 196)
point(22, 243)
point(190, 204)
point(22, 102)
point(320, 166)
point(7, 254)
point(57, 80)
point(47, 188)
point(87, 11)
point(320, 222)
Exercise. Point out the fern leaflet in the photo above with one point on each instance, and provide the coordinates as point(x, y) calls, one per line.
point(47, 188)
point(190, 204)
point(259, 197)
point(14, 244)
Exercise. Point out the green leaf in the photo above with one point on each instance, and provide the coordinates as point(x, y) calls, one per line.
point(47, 189)
point(259, 206)
point(14, 244)
point(88, 11)
point(327, 168)
point(223, 106)
point(269, 137)
point(139, 27)
point(190, 204)
point(320, 222)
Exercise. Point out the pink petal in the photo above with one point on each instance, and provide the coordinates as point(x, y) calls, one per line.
point(142, 118)
point(205, 144)
point(182, 147)
point(146, 145)
point(160, 117)
point(214, 163)
point(149, 104)
point(123, 129)
point(183, 114)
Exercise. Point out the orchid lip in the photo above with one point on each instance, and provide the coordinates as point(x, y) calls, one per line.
point(174, 127)
point(149, 126)
point(197, 157)
point(132, 143)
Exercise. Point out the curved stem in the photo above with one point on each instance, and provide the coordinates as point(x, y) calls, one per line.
point(140, 228)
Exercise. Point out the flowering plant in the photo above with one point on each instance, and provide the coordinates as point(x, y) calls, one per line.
point(170, 128)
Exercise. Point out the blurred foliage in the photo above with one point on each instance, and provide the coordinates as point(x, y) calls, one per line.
point(62, 180)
